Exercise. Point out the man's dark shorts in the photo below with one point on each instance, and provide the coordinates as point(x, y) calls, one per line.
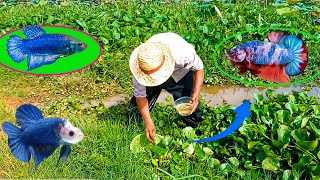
point(184, 87)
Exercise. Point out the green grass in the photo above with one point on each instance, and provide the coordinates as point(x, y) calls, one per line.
point(103, 154)
point(121, 26)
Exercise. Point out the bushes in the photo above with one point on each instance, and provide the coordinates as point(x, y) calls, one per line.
point(122, 26)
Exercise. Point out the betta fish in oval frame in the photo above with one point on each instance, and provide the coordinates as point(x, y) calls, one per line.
point(284, 56)
point(41, 48)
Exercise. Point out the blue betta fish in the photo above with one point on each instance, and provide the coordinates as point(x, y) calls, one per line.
point(39, 136)
point(285, 55)
point(41, 48)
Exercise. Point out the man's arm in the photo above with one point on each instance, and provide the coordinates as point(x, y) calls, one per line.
point(143, 107)
point(198, 77)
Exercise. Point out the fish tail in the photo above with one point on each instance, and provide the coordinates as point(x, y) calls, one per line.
point(277, 37)
point(300, 55)
point(15, 49)
point(28, 114)
point(17, 147)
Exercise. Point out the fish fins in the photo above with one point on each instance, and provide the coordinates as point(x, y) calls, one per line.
point(274, 73)
point(17, 147)
point(28, 114)
point(40, 152)
point(278, 37)
point(243, 69)
point(299, 51)
point(15, 49)
point(35, 61)
point(64, 153)
point(33, 31)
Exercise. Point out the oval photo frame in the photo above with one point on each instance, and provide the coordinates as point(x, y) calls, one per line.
point(214, 56)
point(64, 64)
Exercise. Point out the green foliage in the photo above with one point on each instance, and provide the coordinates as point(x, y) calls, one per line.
point(280, 137)
point(122, 26)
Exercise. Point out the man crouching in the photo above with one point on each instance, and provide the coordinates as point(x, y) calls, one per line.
point(166, 61)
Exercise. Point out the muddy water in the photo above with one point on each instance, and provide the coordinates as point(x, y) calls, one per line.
point(234, 95)
point(221, 95)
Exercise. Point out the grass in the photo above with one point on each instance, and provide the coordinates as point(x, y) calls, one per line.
point(121, 26)
point(104, 154)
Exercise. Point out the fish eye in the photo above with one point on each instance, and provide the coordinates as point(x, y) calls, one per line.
point(71, 133)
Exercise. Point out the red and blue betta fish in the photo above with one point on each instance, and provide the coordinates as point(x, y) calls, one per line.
point(42, 48)
point(39, 136)
point(285, 55)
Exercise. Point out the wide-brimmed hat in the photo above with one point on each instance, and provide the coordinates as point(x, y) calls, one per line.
point(151, 63)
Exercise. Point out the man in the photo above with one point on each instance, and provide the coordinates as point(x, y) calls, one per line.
point(165, 61)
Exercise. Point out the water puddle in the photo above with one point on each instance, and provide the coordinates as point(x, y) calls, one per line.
point(234, 95)
point(217, 95)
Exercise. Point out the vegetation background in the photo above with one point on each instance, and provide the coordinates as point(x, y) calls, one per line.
point(279, 141)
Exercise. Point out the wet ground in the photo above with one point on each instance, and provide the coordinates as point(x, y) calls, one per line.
point(219, 95)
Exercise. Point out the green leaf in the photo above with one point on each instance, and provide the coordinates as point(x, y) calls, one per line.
point(166, 140)
point(267, 120)
point(225, 108)
point(218, 11)
point(252, 143)
point(291, 107)
point(213, 162)
point(127, 18)
point(271, 164)
point(318, 155)
point(141, 20)
point(292, 98)
point(248, 164)
point(315, 129)
point(308, 145)
point(199, 152)
point(155, 162)
point(260, 156)
point(239, 37)
point(157, 149)
point(303, 164)
point(286, 11)
point(42, 2)
point(189, 133)
point(304, 122)
point(280, 145)
point(269, 93)
point(207, 28)
point(287, 175)
point(258, 97)
point(176, 157)
point(283, 133)
point(234, 161)
point(316, 109)
point(269, 152)
point(189, 149)
point(226, 168)
point(207, 151)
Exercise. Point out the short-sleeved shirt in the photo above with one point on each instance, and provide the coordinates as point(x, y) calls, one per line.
point(182, 52)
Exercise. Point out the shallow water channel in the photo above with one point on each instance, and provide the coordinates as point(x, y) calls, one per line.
point(221, 95)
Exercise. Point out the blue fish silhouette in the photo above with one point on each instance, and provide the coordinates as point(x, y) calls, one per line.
point(41, 48)
point(39, 136)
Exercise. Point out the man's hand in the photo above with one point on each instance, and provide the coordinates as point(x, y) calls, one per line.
point(194, 101)
point(198, 81)
point(150, 131)
point(143, 107)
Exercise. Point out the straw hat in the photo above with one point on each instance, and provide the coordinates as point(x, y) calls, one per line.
point(151, 63)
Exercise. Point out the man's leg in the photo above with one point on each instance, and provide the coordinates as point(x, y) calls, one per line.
point(152, 96)
point(184, 87)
